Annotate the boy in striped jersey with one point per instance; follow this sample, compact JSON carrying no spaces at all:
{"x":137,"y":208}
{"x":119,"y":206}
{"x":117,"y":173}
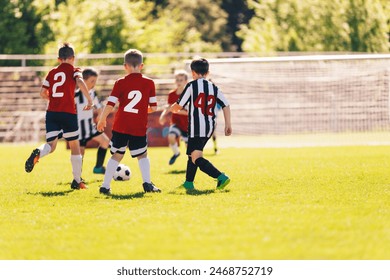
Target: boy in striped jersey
{"x":136,"y":95}
{"x":202,"y":96}
{"x":87,"y":127}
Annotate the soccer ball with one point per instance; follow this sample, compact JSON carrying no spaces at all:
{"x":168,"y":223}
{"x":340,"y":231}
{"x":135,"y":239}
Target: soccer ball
{"x":122,"y":173}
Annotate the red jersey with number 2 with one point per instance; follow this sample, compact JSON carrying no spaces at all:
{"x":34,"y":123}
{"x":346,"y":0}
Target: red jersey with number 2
{"x":61,"y":84}
{"x":135,"y":93}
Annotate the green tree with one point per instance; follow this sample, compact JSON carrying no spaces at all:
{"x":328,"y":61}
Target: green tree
{"x":23,"y":27}
{"x":315,"y":25}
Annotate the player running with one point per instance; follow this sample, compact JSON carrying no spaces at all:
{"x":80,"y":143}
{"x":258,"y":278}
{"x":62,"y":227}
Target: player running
{"x":202,"y":97}
{"x":136,"y":95}
{"x":61,"y":118}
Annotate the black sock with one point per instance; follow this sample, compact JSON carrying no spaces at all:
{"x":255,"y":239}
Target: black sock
{"x":191,"y":170}
{"x":207,"y":167}
{"x":101,"y":155}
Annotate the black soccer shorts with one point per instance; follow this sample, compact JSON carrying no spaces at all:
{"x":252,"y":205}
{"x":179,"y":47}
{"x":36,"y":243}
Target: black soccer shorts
{"x":136,"y":144}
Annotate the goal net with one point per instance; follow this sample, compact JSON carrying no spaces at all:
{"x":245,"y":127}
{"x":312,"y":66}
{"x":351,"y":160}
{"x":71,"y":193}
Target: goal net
{"x":306,"y":94}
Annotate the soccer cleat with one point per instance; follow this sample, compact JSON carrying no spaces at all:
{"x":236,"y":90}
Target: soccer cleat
{"x":99,"y":170}
{"x":188,"y":185}
{"x":32,"y":160}
{"x":173,"y":159}
{"x":150,"y":187}
{"x":78,"y":186}
{"x":223,"y":181}
{"x":105,"y":191}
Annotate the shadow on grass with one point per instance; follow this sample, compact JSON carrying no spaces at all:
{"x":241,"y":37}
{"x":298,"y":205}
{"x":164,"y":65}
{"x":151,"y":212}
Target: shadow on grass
{"x":195,"y":192}
{"x":176,"y":172}
{"x":86,"y":181}
{"x":51,"y":194}
{"x":126,"y":196}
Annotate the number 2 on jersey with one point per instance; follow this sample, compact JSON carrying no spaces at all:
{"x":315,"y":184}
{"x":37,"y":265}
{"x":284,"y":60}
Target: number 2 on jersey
{"x":207,"y":109}
{"x":61,"y":77}
{"x":136,"y":96}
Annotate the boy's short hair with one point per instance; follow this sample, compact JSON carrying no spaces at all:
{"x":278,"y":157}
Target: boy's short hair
{"x":65,"y":51}
{"x":181,"y":73}
{"x":133,"y":57}
{"x":89,"y":72}
{"x":200,"y":66}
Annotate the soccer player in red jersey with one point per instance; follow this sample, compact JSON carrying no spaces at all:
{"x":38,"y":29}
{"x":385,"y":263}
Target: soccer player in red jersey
{"x":136,"y":96}
{"x":61,"y":118}
{"x":179,"y":121}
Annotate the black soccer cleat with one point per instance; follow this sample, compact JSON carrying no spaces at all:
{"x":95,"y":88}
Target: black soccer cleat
{"x":78,"y":186}
{"x":104,"y":191}
{"x":173,"y":159}
{"x":32,"y":160}
{"x":150,"y":187}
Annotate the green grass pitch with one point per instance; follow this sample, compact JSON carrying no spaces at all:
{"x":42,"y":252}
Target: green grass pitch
{"x":282,"y":203}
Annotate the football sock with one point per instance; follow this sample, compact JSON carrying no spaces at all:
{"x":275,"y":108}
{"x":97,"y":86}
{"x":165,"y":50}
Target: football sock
{"x":112,"y":164}
{"x":191,"y":170}
{"x":77,"y":163}
{"x":44,"y":149}
{"x":144,"y":166}
{"x":215,"y":143}
{"x":207,"y":167}
{"x":175,"y":148}
{"x":101,"y":155}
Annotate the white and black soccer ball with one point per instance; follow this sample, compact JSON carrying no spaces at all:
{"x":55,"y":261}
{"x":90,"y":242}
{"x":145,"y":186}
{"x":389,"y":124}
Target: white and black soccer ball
{"x":122,"y":173}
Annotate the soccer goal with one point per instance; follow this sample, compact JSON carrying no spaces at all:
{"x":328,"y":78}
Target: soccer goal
{"x":306,"y":94}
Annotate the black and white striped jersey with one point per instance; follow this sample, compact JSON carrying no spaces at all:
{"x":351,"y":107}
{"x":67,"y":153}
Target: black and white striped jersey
{"x":202,"y":97}
{"x":87,"y":128}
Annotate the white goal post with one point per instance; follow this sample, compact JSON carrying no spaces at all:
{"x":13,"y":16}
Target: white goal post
{"x":306,"y":94}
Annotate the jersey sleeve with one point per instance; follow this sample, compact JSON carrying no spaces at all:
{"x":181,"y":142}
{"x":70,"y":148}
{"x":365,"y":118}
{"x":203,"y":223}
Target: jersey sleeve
{"x":185,"y":96}
{"x":77,"y":73}
{"x":114,"y":96}
{"x":46,"y":82}
{"x":221,"y":100}
{"x":152,"y":95}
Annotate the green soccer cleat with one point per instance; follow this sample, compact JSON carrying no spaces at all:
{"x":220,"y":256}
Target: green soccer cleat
{"x":188,"y":185}
{"x":223,"y":181}
{"x":99,"y":170}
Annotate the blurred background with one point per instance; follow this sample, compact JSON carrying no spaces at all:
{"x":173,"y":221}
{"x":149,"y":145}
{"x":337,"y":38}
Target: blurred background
{"x":295,"y":69}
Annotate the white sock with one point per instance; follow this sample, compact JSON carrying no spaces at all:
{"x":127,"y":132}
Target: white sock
{"x":144,"y":166}
{"x":175,"y":148}
{"x":112,"y":164}
{"x":77,"y":163}
{"x":45,"y":149}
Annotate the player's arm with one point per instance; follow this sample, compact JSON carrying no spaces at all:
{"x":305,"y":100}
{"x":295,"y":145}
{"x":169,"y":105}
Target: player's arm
{"x":152,"y":109}
{"x":103,"y":117}
{"x":228,"y":123}
{"x":183,"y":112}
{"x":44,"y":93}
{"x":175,"y":108}
{"x":83,"y":87}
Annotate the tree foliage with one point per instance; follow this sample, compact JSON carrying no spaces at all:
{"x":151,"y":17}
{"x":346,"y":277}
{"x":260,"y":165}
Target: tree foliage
{"x":23,"y":27}
{"x":317,"y":25}
{"x":265,"y":26}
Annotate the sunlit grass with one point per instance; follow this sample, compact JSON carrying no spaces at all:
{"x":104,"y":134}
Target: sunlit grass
{"x":284,"y":203}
